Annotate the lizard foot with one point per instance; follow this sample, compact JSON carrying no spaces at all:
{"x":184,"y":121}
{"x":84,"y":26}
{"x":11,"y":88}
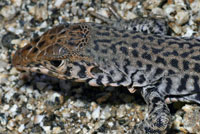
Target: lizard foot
{"x":158,"y":119}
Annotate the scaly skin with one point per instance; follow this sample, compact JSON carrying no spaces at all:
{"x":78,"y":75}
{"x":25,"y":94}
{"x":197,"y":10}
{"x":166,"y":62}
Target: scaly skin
{"x":159,"y":66}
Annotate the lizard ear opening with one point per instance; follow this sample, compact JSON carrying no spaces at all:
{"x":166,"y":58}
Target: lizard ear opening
{"x":56,"y":63}
{"x":96,"y":70}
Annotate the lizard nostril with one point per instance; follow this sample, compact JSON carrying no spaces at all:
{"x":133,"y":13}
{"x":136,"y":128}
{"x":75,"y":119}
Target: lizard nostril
{"x":56,"y":63}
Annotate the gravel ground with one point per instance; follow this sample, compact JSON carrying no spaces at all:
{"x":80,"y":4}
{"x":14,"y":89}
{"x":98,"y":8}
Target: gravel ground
{"x":34,"y":103}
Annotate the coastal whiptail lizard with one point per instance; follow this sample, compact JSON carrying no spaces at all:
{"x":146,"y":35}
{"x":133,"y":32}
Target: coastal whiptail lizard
{"x":161,"y":67}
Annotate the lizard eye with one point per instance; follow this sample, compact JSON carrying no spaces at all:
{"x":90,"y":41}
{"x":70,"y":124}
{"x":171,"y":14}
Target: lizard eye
{"x":56,"y":63}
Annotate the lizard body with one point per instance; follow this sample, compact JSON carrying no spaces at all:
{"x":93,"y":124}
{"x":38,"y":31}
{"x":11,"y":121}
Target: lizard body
{"x":161,"y":67}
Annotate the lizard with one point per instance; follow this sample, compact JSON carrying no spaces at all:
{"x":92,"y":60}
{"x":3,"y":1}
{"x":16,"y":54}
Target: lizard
{"x":161,"y":67}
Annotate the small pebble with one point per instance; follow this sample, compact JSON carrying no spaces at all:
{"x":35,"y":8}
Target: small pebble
{"x":3,"y":78}
{"x":38,"y":119}
{"x":11,"y":124}
{"x":105,"y":113}
{"x":88,"y":115}
{"x":8,"y":12}
{"x":79,"y":104}
{"x":56,"y":130}
{"x":194,"y":5}
{"x":47,"y":129}
{"x":182,"y":17}
{"x":121,"y":111}
{"x":151,"y":4}
{"x":7,"y":38}
{"x":96,"y":113}
{"x":3,"y":119}
{"x":5,"y":107}
{"x":55,"y":97}
{"x":21,"y":128}
{"x":58,"y":3}
{"x":9,"y":95}
{"x":41,"y":85}
{"x":111,"y":124}
{"x":17,"y":3}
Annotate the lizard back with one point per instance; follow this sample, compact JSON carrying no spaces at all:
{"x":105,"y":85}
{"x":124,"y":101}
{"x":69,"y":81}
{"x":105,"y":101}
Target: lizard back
{"x":105,"y":55}
{"x":144,"y":59}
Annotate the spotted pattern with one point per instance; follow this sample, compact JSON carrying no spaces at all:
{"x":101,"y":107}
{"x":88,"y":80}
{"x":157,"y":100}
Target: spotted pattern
{"x":159,"y":65}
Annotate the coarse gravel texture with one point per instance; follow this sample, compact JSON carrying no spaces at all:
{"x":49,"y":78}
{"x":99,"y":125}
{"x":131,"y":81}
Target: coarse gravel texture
{"x":35,"y":103}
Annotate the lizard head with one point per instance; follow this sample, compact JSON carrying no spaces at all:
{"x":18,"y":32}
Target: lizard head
{"x":57,"y":53}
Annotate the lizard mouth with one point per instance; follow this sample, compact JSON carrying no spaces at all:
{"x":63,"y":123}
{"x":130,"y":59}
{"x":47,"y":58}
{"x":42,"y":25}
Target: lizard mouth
{"x":42,"y":70}
{"x":60,"y":69}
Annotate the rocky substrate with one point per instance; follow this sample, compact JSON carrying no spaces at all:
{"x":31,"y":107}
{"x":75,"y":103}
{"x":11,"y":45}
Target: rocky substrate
{"x":35,"y":103}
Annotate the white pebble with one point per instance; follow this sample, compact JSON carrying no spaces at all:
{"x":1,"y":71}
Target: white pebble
{"x":17,"y":2}
{"x":88,"y":115}
{"x":103,"y":12}
{"x":58,"y":3}
{"x":11,"y":124}
{"x":21,"y":128}
{"x":13,"y":109}
{"x":77,"y":131}
{"x":19,"y":117}
{"x":3,"y":64}
{"x":110,"y":124}
{"x":44,"y":25}
{"x":23,"y":98}
{"x":121,"y":111}
{"x":182,"y":17}
{"x":29,"y":106}
{"x":5,"y":107}
{"x":29,"y":90}
{"x":187,"y":108}
{"x":56,"y":130}
{"x":38,"y":119}
{"x":157,"y":11}
{"x":87,"y":19}
{"x":79,"y":103}
{"x":53,"y":95}
{"x":90,"y":9}
{"x":195,"y":5}
{"x":47,"y":129}
{"x":14,"y":27}
{"x":130,"y":15}
{"x":3,"y":78}
{"x":9,"y":95}
{"x":74,"y":10}
{"x":12,"y":78}
{"x":150,"y":4}
{"x":169,"y":10}
{"x":96,"y":113}
{"x":84,"y":130}
{"x":86,"y":2}
{"x":189,"y":32}
{"x":8,"y":12}
{"x":176,"y":29}
{"x":9,"y":89}
{"x":106,"y":113}
{"x":99,"y":124}
{"x":65,"y":113}
{"x":180,"y":2}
